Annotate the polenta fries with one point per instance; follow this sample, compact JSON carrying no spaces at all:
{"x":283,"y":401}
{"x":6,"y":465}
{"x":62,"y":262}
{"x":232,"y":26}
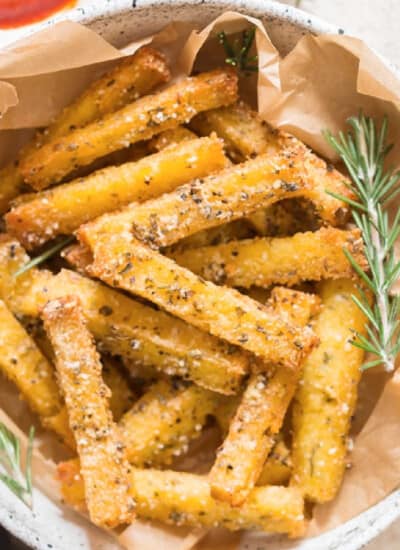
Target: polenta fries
{"x":139,"y":120}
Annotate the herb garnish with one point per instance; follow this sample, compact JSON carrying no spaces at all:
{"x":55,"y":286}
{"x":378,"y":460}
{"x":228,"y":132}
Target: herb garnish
{"x":10,"y":459}
{"x":238,"y":53}
{"x":364,"y":150}
{"x":44,"y":256}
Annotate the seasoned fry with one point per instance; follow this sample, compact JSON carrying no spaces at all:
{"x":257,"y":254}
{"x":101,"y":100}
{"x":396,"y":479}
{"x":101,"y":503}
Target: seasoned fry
{"x":325,"y":401}
{"x":246,"y":135}
{"x":133,"y":77}
{"x":286,"y":260}
{"x":212,"y":201}
{"x":161,"y":424}
{"x":98,"y":441}
{"x":125,"y":327}
{"x":224,"y":312}
{"x":260,"y":414}
{"x":137,"y":121}
{"x":136,"y":75}
{"x":180,"y":498}
{"x":62,"y":209}
{"x":22,"y":362}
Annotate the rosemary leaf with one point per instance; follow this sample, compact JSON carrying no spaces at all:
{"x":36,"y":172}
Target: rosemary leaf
{"x":363,"y":150}
{"x":238,"y":52}
{"x":10,"y":460}
{"x":44,"y":256}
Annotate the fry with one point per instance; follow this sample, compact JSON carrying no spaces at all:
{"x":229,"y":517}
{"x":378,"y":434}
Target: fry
{"x":325,"y":401}
{"x":216,"y":199}
{"x":260,"y":414}
{"x":98,"y":442}
{"x":140,"y":120}
{"x":22,"y":362}
{"x":62,"y":209}
{"x":180,"y":498}
{"x":160,"y":425}
{"x":223,"y":312}
{"x":136,"y":75}
{"x":286,"y":260}
{"x":125,"y":327}
{"x":246,"y":135}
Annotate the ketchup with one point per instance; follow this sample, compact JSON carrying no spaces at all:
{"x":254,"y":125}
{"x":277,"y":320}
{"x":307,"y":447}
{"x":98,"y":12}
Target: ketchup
{"x":16,"y":13}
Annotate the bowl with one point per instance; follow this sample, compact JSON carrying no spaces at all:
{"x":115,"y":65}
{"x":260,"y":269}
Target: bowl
{"x":119,"y":22}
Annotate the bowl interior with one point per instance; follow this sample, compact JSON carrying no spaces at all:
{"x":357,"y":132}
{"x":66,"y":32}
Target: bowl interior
{"x":119,"y":22}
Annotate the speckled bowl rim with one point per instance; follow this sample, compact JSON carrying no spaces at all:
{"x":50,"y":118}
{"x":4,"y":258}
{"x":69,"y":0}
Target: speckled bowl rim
{"x":362,"y":529}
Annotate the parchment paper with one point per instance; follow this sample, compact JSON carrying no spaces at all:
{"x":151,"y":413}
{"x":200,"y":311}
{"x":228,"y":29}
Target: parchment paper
{"x":321,"y":82}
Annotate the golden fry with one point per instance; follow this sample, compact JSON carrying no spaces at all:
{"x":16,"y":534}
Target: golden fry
{"x":278,"y":467}
{"x":285,"y":260}
{"x":180,"y":498}
{"x":125,"y":327}
{"x":98,"y":441}
{"x":224,"y":312}
{"x":246,"y":135}
{"x":137,"y":121}
{"x":325,"y":401}
{"x":62,"y":209}
{"x":231,"y":194}
{"x":121,"y":395}
{"x":134,"y":76}
{"x":260,"y":414}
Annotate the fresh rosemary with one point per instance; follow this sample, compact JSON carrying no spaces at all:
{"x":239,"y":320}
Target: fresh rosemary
{"x":364,"y":150}
{"x":45,"y":255}
{"x":20,"y":483}
{"x":238,"y":52}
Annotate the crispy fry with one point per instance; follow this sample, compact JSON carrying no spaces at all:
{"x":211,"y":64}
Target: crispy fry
{"x":137,"y":121}
{"x":98,"y":441}
{"x":285,"y":260}
{"x":179,"y":498}
{"x":136,"y":75}
{"x":62,"y":209}
{"x":224,"y":312}
{"x":78,"y":256}
{"x":260,"y":414}
{"x":325,"y":400}
{"x":246,"y":135}
{"x":160,"y":425}
{"x":22,"y":362}
{"x":212,"y":201}
{"x":170,"y":137}
{"x":133,"y":77}
{"x":126,"y":327}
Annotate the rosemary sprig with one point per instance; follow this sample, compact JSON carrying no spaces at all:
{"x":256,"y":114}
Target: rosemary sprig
{"x":10,"y":459}
{"x":238,"y":53}
{"x":364,"y":150}
{"x":44,"y":256}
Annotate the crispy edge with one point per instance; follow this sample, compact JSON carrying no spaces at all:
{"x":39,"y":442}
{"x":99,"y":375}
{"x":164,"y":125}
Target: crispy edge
{"x":99,"y":446}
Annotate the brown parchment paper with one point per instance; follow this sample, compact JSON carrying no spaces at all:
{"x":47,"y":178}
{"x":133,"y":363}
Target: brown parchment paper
{"x":321,"y":82}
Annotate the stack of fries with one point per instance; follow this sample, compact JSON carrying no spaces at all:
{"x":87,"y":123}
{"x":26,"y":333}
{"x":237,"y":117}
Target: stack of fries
{"x":208,"y":289}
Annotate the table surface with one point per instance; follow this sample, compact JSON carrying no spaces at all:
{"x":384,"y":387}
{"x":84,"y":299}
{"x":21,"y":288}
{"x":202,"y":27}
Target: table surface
{"x":376,"y":21}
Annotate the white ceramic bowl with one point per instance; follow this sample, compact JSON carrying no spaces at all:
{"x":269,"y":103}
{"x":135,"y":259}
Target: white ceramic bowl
{"x":120,"y":21}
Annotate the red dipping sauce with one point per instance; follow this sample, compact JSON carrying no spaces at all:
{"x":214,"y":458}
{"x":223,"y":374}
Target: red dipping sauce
{"x":16,"y":13}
